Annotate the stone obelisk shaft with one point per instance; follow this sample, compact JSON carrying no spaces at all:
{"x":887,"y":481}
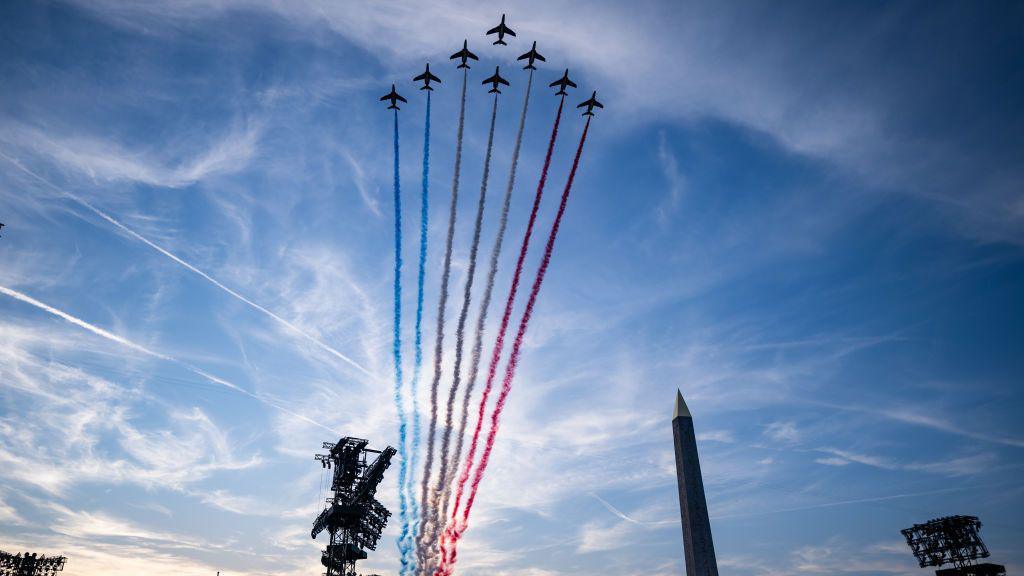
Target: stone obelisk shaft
{"x":697,"y":544}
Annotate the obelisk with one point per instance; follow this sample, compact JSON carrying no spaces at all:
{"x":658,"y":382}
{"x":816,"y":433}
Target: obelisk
{"x":697,"y":544}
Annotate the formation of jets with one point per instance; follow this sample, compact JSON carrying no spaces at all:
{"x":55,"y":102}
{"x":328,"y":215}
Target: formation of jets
{"x":394,"y":97}
{"x":501,"y":30}
{"x":496,"y":81}
{"x":562,"y":83}
{"x":426,"y":77}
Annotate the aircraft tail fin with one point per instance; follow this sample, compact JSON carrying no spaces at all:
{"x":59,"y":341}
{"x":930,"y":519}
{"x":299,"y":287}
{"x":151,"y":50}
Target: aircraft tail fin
{"x":500,"y":42}
{"x":494,"y":90}
{"x":463,"y":65}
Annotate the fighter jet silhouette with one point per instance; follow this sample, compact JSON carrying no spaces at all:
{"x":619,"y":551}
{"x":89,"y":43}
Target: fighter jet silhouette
{"x":532,"y":55}
{"x":562,"y":83}
{"x":426,"y":77}
{"x":590,"y":104}
{"x":394,"y":97}
{"x":501,"y":30}
{"x":494,"y":81}
{"x":464,"y":54}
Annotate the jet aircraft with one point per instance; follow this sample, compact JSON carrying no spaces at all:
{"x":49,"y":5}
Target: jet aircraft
{"x":531,"y":55}
{"x":590,"y":104}
{"x":426,"y":77}
{"x":394,"y":97}
{"x":562,"y":83}
{"x":464,"y":54}
{"x":501,"y":30}
{"x":494,"y":81}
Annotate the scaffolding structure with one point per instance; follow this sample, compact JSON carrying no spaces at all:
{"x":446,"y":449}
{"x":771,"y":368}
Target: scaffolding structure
{"x":951,"y":540}
{"x":352,"y":516}
{"x":30,"y":564}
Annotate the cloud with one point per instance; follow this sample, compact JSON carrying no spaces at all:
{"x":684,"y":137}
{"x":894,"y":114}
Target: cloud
{"x":108,"y":161}
{"x":775,"y":77}
{"x":783,"y":432}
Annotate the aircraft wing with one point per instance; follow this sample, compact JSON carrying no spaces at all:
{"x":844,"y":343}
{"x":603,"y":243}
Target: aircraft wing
{"x":509,"y":31}
{"x":400,"y":98}
{"x":494,"y":30}
{"x":385,"y":97}
{"x":490,"y":80}
{"x":420,"y":77}
{"x":524,"y":56}
{"x":434,"y":78}
{"x":456,"y":55}
{"x":503,"y":81}
{"x":598,"y":104}
{"x":539,"y":57}
{"x":570,"y":83}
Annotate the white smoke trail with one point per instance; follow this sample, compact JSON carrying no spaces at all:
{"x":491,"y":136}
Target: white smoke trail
{"x":142,"y":349}
{"x":485,"y":302}
{"x":440,"y":505}
{"x":427,"y":514}
{"x":193,"y":269}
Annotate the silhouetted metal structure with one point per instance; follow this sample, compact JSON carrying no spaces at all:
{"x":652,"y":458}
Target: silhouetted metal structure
{"x":353,"y":517}
{"x":951,"y":540}
{"x":30,"y":564}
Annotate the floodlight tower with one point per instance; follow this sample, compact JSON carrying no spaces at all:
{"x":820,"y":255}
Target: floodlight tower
{"x":951,"y":540}
{"x":353,"y":517}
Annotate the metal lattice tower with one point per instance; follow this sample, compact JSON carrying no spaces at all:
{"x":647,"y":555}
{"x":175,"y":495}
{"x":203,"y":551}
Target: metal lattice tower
{"x":950,"y":540}
{"x":30,"y":564}
{"x":353,"y":517}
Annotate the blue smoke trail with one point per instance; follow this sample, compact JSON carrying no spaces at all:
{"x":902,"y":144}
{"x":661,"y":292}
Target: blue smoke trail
{"x":397,"y":345}
{"x":410,"y":528}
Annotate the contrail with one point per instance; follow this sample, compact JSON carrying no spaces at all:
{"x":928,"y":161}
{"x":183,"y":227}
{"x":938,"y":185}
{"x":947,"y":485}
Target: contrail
{"x":142,"y":349}
{"x":460,"y":331}
{"x":456,"y":529}
{"x":426,"y":513}
{"x":193,"y":269}
{"x":396,"y":349}
{"x":409,"y":531}
{"x":485,"y":302}
{"x":492,"y":368}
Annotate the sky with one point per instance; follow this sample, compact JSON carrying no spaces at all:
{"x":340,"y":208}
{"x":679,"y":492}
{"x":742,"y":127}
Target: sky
{"x":806,"y":216}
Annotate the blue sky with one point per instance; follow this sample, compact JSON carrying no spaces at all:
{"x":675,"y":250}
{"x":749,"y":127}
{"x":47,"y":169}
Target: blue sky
{"x":808,"y":217}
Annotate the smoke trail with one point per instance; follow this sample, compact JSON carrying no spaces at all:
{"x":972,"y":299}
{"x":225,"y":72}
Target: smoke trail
{"x":193,"y":269}
{"x":460,"y":331}
{"x":485,"y":302}
{"x":396,"y":349}
{"x":439,"y":343}
{"x":142,"y":349}
{"x":492,"y":367}
{"x":456,"y":530}
{"x":409,"y":529}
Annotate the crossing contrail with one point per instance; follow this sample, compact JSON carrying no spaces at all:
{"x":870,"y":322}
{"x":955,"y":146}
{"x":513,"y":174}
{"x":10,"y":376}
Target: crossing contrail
{"x":426,"y":512}
{"x":492,"y":368}
{"x":457,"y":528}
{"x":158,"y":355}
{"x":409,"y":531}
{"x":193,"y":269}
{"x":485,"y":302}
{"x":396,"y":348}
{"x":460,"y":332}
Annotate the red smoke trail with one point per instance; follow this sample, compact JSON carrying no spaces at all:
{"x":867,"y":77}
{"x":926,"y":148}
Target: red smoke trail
{"x":500,"y":342}
{"x":455,"y":529}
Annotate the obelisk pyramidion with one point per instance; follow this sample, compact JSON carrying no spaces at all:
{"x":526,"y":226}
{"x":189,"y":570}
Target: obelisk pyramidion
{"x":697,"y":544}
